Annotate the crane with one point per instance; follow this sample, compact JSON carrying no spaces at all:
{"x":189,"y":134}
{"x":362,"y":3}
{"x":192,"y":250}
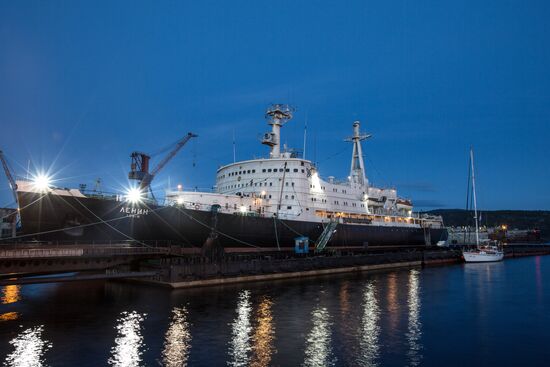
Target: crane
{"x":9,"y":176}
{"x":139,"y":169}
{"x":13,"y":186}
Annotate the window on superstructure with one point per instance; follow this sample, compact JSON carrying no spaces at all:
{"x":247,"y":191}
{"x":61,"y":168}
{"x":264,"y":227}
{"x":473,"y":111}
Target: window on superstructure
{"x":253,"y":171}
{"x":248,"y":171}
{"x":280,"y":170}
{"x":269,"y":170}
{"x":302,"y":163}
{"x":303,"y":170}
{"x":286,"y":183}
{"x":271,"y":184}
{"x":292,"y":197}
{"x":286,"y":197}
{"x":295,"y":169}
{"x":292,"y":184}
{"x":287,"y":170}
{"x":289,"y":207}
{"x":263,"y":170}
{"x":270,"y":196}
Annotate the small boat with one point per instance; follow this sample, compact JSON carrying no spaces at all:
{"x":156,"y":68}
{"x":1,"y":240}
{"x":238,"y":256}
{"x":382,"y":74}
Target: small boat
{"x":487,"y":253}
{"x":481,"y":253}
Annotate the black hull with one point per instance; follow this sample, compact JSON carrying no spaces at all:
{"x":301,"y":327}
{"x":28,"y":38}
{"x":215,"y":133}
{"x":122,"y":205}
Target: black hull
{"x":66,"y":218}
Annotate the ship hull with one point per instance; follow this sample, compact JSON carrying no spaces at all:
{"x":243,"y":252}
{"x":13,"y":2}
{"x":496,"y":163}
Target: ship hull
{"x":53,"y":217}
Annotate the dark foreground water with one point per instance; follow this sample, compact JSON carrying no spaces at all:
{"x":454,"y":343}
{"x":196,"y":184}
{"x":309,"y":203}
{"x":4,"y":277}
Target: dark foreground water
{"x":463,"y":315}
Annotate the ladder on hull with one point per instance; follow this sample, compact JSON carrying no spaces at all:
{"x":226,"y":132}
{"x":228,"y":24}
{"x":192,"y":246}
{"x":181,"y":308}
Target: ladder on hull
{"x":325,"y":236}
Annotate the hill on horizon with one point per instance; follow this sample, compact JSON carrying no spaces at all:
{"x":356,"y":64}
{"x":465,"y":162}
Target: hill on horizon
{"x":514,"y":219}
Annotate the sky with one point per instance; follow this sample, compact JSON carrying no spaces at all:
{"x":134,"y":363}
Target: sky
{"x":83,"y":84}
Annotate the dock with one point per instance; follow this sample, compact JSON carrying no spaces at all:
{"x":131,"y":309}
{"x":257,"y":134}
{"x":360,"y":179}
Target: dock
{"x":177,"y":267}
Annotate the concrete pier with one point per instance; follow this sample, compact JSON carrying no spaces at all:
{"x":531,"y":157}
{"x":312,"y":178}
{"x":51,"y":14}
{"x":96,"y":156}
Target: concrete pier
{"x":194,"y":271}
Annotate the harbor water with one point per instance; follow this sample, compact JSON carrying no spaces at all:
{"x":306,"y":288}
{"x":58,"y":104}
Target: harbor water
{"x":474,"y":314}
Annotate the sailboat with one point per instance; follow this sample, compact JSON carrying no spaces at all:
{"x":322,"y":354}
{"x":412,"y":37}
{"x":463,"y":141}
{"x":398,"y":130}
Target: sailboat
{"x":489,"y":252}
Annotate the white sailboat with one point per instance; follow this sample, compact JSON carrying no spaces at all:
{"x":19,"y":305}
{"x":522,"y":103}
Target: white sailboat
{"x":486,"y":252}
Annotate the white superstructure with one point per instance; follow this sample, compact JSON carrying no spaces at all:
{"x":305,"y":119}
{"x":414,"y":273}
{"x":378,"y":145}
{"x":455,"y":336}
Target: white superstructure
{"x":289,"y":187}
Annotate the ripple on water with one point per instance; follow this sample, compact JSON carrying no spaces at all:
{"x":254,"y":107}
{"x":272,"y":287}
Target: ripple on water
{"x":318,"y":342}
{"x":30,"y":348}
{"x":129,"y":345}
{"x":241,"y":332}
{"x":177,"y":342}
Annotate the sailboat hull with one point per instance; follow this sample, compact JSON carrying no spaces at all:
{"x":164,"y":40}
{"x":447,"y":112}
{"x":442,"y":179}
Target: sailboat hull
{"x":481,"y":256}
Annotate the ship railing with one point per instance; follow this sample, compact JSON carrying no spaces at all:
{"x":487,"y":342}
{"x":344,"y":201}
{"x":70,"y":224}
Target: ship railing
{"x":394,"y":213}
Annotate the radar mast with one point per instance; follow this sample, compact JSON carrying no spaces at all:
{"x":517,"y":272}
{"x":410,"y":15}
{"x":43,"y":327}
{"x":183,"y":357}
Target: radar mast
{"x":357,"y":170}
{"x":277,"y":115}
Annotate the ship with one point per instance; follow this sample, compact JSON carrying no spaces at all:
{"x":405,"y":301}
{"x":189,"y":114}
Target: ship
{"x":258,"y":204}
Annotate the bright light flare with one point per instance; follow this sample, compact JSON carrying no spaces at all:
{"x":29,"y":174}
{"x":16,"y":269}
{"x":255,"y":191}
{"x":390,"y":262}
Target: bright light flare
{"x":316,"y":183}
{"x":42,"y":182}
{"x":179,"y":201}
{"x":134,"y":195}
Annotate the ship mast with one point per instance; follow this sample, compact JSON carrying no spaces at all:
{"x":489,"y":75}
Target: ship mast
{"x":474,"y":193}
{"x":357,"y":169}
{"x":277,"y":115}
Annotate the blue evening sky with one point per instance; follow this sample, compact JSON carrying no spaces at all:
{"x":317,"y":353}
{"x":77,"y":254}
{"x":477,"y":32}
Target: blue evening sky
{"x":82,"y":84}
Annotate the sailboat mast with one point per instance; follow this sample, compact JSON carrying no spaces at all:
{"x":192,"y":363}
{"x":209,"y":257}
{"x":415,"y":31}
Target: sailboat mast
{"x":475,"y":198}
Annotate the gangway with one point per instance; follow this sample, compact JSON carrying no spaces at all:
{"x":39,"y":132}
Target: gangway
{"x":323,"y":239}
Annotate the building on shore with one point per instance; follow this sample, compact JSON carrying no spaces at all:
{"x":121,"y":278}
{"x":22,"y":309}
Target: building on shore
{"x":8,"y":225}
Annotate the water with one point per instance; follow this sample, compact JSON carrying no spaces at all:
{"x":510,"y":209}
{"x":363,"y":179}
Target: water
{"x":473,"y":314}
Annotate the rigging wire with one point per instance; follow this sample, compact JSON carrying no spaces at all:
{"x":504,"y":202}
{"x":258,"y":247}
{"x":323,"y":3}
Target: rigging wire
{"x":40,"y":198}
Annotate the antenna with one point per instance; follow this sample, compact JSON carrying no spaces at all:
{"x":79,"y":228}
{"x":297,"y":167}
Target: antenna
{"x":305,"y":138}
{"x":315,"y":148}
{"x":234,"y":148}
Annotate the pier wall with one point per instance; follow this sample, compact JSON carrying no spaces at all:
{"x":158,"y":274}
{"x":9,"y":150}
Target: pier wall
{"x":188,"y":272}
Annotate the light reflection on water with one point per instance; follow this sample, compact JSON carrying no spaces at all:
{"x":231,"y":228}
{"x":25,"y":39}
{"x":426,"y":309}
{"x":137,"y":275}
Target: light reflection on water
{"x":30,"y":347}
{"x":379,"y":319}
{"x":129,"y":344}
{"x":177,"y":343}
{"x":318,"y":342}
{"x":241,"y":329}
{"x":370,"y":330}
{"x":9,"y":316}
{"x":10,"y":294}
{"x":414,"y":332}
{"x":263,"y":335}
